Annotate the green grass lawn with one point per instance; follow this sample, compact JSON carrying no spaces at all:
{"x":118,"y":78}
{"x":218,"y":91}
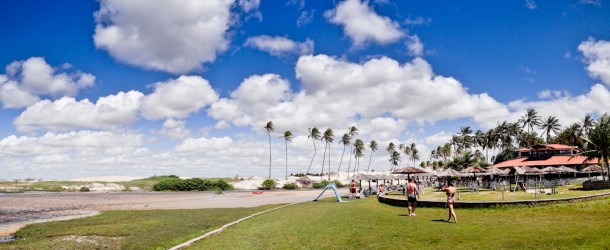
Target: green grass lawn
{"x":148,"y":229}
{"x":368,"y":224}
{"x":327,"y":224}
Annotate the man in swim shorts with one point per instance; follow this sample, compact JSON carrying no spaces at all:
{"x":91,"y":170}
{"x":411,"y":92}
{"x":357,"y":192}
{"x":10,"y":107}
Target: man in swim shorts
{"x":412,"y":196}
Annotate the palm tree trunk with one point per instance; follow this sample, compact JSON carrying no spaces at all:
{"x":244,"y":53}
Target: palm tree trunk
{"x":339,"y":169}
{"x":349,"y":164}
{"x":269,"y":155}
{"x":329,"y":162}
{"x":314,"y":155}
{"x":285,"y":141}
{"x":370,"y":159}
{"x":323,"y":158}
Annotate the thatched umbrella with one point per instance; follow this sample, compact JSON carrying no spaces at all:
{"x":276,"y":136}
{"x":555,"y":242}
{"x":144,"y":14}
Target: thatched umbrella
{"x":474,"y":170}
{"x":410,"y":170}
{"x":564,"y":169}
{"x":448,"y":172}
{"x":591,"y":169}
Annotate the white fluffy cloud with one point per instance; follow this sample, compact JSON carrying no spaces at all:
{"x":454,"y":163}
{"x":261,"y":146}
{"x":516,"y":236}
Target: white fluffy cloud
{"x":178,"y":98}
{"x":26,"y":80}
{"x":175,"y":129}
{"x":597,"y":55}
{"x":278,"y":45}
{"x":177,"y":38}
{"x":414,"y":46}
{"x":67,"y":113}
{"x":362,"y":24}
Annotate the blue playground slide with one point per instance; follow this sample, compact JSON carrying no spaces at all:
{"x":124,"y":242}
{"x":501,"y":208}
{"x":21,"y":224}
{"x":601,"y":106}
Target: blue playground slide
{"x":334,"y":187}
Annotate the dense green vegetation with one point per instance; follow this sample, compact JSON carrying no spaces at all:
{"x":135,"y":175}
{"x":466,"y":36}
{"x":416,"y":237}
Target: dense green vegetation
{"x":193,"y":184}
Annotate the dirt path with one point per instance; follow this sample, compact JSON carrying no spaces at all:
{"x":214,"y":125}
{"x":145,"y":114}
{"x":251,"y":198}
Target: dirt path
{"x":18,"y":210}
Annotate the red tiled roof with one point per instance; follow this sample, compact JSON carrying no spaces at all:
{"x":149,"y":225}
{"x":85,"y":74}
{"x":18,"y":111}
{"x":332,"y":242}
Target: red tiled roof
{"x":547,"y":147}
{"x":556,"y":160}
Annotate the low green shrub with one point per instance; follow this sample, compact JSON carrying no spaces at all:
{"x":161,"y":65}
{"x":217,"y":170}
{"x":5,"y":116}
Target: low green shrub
{"x":193,"y":184}
{"x":268,"y":184}
{"x":290,"y":185}
{"x":84,"y":189}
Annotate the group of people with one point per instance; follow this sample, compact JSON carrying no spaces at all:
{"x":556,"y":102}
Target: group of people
{"x":412,"y":192}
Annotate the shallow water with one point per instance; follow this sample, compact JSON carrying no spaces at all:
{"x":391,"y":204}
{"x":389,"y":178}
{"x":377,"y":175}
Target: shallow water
{"x":4,"y":239}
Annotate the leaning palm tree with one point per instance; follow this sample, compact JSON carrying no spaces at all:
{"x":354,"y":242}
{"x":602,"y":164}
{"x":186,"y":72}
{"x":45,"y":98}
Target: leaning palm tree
{"x":287,"y":138}
{"x":597,"y":144}
{"x":314,"y":134}
{"x":269,"y":128}
{"x":391,"y":149}
{"x":358,"y":152}
{"x":328,"y":138}
{"x":373,"y":146}
{"x":352,"y":132}
{"x":551,"y":124}
{"x":530,"y":119}
{"x":346,"y":141}
{"x":414,"y":153}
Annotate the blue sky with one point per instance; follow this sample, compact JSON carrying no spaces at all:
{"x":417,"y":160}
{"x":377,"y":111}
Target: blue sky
{"x":91,"y":88}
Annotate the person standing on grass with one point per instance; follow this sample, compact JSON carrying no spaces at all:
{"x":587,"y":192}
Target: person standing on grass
{"x":450,"y":191}
{"x":412,"y":196}
{"x":352,"y":189}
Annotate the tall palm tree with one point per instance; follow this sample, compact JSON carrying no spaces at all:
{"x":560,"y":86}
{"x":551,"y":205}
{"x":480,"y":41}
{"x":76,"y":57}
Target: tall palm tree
{"x":373,"y":146}
{"x":597,"y":144}
{"x":551,"y":124}
{"x":530,"y":119}
{"x":328,"y":138}
{"x":352,"y":132}
{"x":587,"y":124}
{"x":405,"y":150}
{"x":315,"y":135}
{"x":358,"y":152}
{"x":464,"y":137}
{"x":269,"y":127}
{"x":346,"y":141}
{"x":394,"y":159}
{"x":391,"y":149}
{"x":414,"y":154}
{"x":446,"y":152}
{"x":287,"y":138}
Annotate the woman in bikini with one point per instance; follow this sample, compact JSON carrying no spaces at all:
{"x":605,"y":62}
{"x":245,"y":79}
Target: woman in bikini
{"x":450,"y":191}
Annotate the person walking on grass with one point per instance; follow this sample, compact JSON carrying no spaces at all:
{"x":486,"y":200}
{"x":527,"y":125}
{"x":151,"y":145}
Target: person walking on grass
{"x":352,"y":189}
{"x":412,"y":196}
{"x":450,"y":191}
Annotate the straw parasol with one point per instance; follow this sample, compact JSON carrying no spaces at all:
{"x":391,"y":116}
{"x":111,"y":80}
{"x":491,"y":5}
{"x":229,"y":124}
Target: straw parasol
{"x":591,"y":169}
{"x":474,"y":170}
{"x":549,"y":170}
{"x":410,"y":170}
{"x":448,"y":172}
{"x":564,"y":169}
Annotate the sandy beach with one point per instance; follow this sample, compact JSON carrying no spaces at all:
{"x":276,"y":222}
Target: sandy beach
{"x":18,"y":210}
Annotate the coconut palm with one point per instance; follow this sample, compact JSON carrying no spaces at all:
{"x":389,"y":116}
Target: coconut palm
{"x":391,"y":149}
{"x":346,"y":141}
{"x":373,"y":146}
{"x":587,"y":124}
{"x":287,"y":138}
{"x":352,"y":132}
{"x":551,"y":124}
{"x":358,"y":152}
{"x":597,"y":144}
{"x":315,"y":135}
{"x":269,"y":128}
{"x":446,"y":152}
{"x":328,"y":138}
{"x":394,"y":159}
{"x":414,"y":154}
{"x":530,"y":119}
{"x":465,"y":138}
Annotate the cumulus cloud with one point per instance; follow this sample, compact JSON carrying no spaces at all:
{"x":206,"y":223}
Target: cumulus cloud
{"x":597,"y":56}
{"x":175,"y":129}
{"x":178,"y":38}
{"x":530,"y":4}
{"x":67,"y":113}
{"x":178,"y":98}
{"x":414,"y":46}
{"x":362,"y":24}
{"x":278,"y":46}
{"x":26,"y":80}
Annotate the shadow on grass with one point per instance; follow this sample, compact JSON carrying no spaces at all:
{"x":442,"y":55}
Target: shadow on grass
{"x":439,"y":220}
{"x":404,"y":215}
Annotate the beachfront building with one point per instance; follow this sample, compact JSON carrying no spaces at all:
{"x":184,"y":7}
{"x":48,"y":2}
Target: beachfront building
{"x":548,"y":155}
